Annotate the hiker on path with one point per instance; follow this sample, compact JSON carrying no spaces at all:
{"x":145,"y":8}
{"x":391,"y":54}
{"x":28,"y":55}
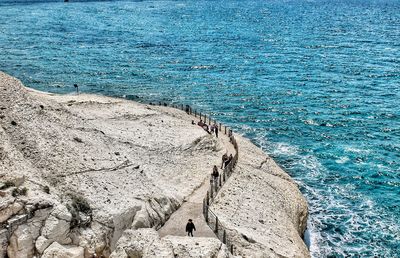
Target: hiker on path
{"x":228,"y":160}
{"x":190,"y":227}
{"x":204,"y":126}
{"x":215,"y":172}
{"x":216,"y":130}
{"x":215,"y":175}
{"x":224,"y":159}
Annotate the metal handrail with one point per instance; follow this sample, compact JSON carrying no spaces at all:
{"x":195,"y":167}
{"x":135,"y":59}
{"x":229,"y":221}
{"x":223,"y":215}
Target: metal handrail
{"x":211,"y":194}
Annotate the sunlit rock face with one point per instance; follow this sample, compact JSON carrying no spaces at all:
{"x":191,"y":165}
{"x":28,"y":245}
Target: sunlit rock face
{"x":82,"y":174}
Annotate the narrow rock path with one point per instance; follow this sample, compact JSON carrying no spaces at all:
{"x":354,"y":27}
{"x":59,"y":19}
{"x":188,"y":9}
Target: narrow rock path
{"x":193,"y":207}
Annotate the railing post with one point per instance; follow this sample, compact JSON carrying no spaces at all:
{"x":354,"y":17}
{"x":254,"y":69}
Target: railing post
{"x":232,"y":249}
{"x":206,"y":214}
{"x":216,"y":225}
{"x":205,"y":118}
{"x":220,"y":127}
{"x":223,"y":176}
{"x":195,"y":113}
{"x":225,"y":129}
{"x":224,"y":237}
{"x":208,"y":198}
{"x":211,"y":191}
{"x":220,"y":183}
{"x":200,"y":115}
{"x":204,"y":207}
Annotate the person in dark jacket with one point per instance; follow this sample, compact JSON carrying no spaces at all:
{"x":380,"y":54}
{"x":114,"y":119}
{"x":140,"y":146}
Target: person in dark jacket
{"x":224,"y":159}
{"x":190,"y":227}
{"x":215,"y":172}
{"x":228,"y":160}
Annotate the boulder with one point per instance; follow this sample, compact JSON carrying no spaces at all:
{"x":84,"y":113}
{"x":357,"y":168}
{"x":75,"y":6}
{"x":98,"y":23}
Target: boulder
{"x":197,"y":247}
{"x":8,"y":209}
{"x":146,"y":242}
{"x":60,"y":251}
{"x":141,"y":219}
{"x":122,"y":221}
{"x":21,"y":243}
{"x":3,"y":242}
{"x":57,"y":225}
{"x":61,"y":212}
{"x":95,"y":239}
{"x":41,"y":244}
{"x":18,"y":181}
{"x":25,"y":231}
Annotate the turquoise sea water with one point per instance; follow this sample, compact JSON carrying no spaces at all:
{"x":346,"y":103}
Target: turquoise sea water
{"x":316,"y":84}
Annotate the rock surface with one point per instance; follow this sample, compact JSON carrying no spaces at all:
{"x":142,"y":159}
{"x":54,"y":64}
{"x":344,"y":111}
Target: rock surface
{"x":263,"y":207}
{"x":89,"y":169}
{"x":147,"y":243}
{"x":59,"y":251}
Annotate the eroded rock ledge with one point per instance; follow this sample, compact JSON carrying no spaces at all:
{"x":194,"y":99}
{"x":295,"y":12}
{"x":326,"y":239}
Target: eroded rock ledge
{"x":90,"y":175}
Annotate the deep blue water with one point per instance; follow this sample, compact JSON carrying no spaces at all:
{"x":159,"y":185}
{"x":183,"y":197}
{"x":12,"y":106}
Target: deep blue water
{"x":316,"y":84}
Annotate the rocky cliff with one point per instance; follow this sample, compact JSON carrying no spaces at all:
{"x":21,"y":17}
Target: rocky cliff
{"x":91,"y":176}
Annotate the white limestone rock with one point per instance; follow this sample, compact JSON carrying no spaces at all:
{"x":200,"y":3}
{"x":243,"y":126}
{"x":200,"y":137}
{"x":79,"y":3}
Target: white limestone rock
{"x":146,"y":243}
{"x":61,"y":251}
{"x":188,"y":247}
{"x":57,"y":225}
{"x":162,"y":158}
{"x":22,"y":240}
{"x":141,"y":219}
{"x":21,"y":243}
{"x":134,"y":243}
{"x":95,"y":239}
{"x":61,"y":212}
{"x":42,"y":243}
{"x":9,"y":208}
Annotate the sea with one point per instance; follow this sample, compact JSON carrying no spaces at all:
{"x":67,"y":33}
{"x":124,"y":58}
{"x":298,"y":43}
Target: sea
{"x":314,"y":83}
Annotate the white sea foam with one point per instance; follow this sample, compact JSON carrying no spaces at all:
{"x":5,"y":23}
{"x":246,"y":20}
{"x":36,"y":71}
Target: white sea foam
{"x":355,"y":150}
{"x":342,"y":160}
{"x":284,"y":149}
{"x":310,"y":122}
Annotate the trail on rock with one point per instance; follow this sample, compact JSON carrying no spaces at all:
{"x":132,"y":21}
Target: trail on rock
{"x":193,"y":208}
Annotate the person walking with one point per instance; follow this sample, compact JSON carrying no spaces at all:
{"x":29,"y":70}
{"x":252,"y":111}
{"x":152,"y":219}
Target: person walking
{"x":216,"y":130}
{"x":190,"y":227}
{"x":215,"y":172}
{"x":215,"y":175}
{"x":224,"y":159}
{"x":228,"y":160}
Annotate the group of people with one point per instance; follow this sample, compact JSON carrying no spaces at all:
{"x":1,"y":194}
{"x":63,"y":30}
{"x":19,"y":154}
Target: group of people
{"x":215,"y":174}
{"x":226,"y":160}
{"x":209,"y":129}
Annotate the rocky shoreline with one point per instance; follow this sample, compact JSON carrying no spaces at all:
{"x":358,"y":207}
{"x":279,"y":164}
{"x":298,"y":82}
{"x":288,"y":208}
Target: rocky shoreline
{"x":91,"y":176}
